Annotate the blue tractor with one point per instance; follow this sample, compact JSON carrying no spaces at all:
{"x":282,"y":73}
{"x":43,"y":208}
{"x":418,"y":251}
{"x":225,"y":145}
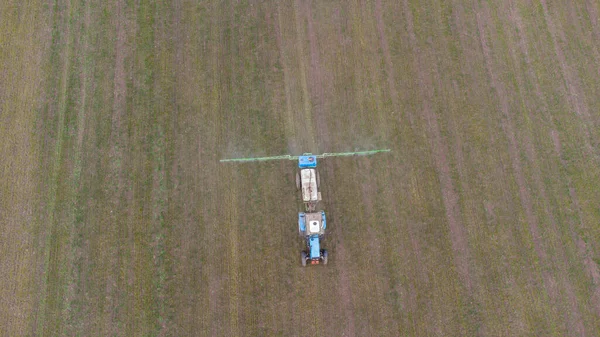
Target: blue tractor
{"x":312,"y":223}
{"x":311,"y":227}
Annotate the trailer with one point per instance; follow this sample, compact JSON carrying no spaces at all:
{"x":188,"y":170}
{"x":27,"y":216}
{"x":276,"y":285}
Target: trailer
{"x":308,"y":181}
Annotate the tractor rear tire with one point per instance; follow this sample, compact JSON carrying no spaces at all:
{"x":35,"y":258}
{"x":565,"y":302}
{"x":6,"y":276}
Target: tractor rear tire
{"x":303,"y":256}
{"x":324,"y":256}
{"x":297,"y":180}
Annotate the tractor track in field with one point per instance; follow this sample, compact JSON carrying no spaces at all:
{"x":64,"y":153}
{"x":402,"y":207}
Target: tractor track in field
{"x":450,"y":198}
{"x":322,"y":129}
{"x":387,"y":56}
{"x":576,"y":321}
{"x":21,"y":99}
{"x":592,"y":34}
{"x":591,"y":267}
{"x":115,"y":174}
{"x":589,"y":264}
{"x":215,"y":279}
{"x":176,"y":208}
{"x":50,"y":236}
{"x":593,"y":13}
{"x":575,"y":96}
{"x":316,"y":73}
{"x":74,"y":312}
{"x":310,"y":141}
{"x":289,"y":121}
{"x":368,"y":187}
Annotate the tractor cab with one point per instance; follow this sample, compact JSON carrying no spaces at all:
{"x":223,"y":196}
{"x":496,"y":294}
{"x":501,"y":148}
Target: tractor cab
{"x":308,"y":180}
{"x":311,"y":227}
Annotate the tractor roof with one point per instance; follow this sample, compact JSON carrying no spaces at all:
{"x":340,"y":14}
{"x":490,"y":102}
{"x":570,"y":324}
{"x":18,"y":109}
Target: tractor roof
{"x":314,"y":223}
{"x":314,"y":226}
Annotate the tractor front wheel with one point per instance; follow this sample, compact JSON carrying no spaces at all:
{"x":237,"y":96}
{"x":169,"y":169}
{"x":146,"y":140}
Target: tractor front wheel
{"x":303,"y":256}
{"x":324,"y":256}
{"x":297,"y":180}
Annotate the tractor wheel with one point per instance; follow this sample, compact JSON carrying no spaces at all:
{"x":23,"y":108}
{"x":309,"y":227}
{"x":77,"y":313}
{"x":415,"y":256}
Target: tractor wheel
{"x":318,"y":180}
{"x":297,"y":180}
{"x":303,"y":256}
{"x":324,"y":256}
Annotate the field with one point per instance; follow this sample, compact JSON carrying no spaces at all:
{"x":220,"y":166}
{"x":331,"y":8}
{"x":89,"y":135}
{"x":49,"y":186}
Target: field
{"x":117,"y":219}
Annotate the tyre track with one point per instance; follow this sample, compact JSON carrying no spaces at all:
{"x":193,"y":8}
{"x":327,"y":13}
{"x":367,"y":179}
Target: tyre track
{"x":26,"y":40}
{"x":47,"y":317}
{"x":309,"y":140}
{"x":74,"y":313}
{"x":115,"y":176}
{"x":369,"y":190}
{"x":575,"y":95}
{"x":523,"y":43}
{"x":316,"y":76}
{"x":387,"y":56}
{"x":161,"y":186}
{"x":593,"y":13}
{"x":585,"y":252}
{"x":450,"y":197}
{"x":345,"y":288}
{"x":233,"y":268}
{"x":591,"y":268}
{"x":314,"y":98}
{"x":289,"y":122}
{"x":550,"y":284}
{"x":588,"y":36}
{"x":216,"y":287}
{"x":177,"y":212}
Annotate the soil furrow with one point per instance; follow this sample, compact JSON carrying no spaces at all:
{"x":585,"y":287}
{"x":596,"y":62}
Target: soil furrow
{"x":575,"y":96}
{"x":23,"y":57}
{"x":50,"y":294}
{"x":75,"y":287}
{"x":206,"y":186}
{"x":309,"y":141}
{"x":508,"y":128}
{"x":450,"y":197}
{"x":289,"y":120}
{"x":550,"y":283}
{"x":592,"y":7}
{"x":115,"y":175}
{"x":387,"y":56}
{"x":316,"y":76}
{"x":523,"y":43}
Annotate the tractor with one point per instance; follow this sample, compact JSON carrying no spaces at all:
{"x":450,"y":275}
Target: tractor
{"x":311,"y":224}
{"x":308,"y":180}
{"x":311,"y":227}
